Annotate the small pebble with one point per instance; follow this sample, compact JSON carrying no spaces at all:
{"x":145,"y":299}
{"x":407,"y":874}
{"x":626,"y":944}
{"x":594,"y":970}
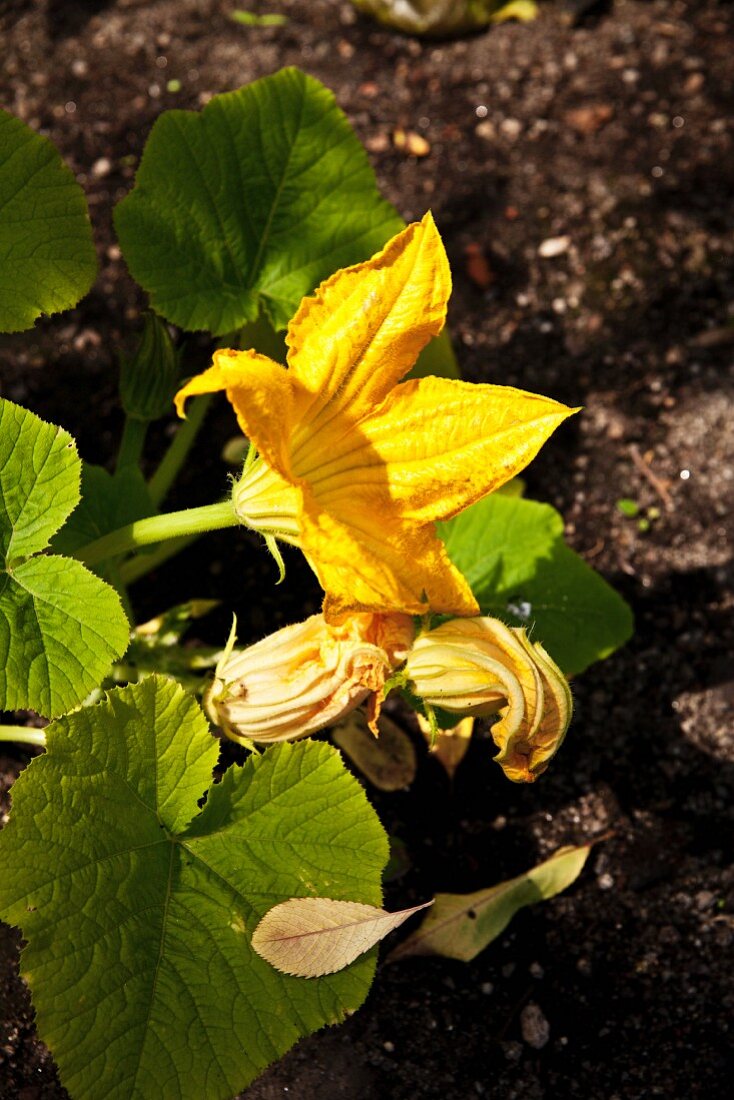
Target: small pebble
{"x":101,"y":168}
{"x":554,"y":246}
{"x":534,"y":1026}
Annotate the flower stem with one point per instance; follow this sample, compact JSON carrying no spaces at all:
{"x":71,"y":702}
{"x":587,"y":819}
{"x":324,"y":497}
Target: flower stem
{"x":181,"y":444}
{"x":131,"y":444}
{"x":23,"y":734}
{"x":145,"y":532}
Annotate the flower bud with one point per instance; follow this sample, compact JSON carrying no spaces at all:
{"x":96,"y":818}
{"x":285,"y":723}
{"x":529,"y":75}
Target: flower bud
{"x":149,"y":378}
{"x":481,"y":667}
{"x":306,"y":676}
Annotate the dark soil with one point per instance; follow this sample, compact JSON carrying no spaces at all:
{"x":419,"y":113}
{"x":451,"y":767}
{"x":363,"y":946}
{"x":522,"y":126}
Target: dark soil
{"x":613,"y":133}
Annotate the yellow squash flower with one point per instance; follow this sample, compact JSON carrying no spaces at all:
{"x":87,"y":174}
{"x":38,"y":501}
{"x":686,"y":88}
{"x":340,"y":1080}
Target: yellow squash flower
{"x":480,"y":667}
{"x":354,"y":466}
{"x":307,"y":676}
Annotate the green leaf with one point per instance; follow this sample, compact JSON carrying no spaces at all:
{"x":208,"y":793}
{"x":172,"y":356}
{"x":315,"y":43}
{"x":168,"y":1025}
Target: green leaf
{"x":60,"y":626}
{"x":248,"y":19}
{"x":513,"y":555}
{"x":108,"y":502}
{"x":627,"y":507}
{"x":437,"y":358}
{"x":139,"y":928}
{"x":459,"y":926}
{"x":253,"y":200}
{"x":39,"y":481}
{"x":47,"y":257}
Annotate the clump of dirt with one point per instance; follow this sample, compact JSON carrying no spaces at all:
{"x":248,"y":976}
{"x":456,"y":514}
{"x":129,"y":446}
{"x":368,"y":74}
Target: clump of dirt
{"x":581,"y":175}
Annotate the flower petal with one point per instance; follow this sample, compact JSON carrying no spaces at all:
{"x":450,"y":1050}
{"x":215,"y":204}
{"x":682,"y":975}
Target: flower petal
{"x":261,"y":392}
{"x":372,"y":561}
{"x":363,"y":329}
{"x":435,"y":446}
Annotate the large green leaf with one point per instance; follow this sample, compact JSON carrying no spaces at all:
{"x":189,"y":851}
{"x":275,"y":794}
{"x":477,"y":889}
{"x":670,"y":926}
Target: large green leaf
{"x":513,"y":555}
{"x":139,"y":927}
{"x":47,"y":257}
{"x":60,"y":626}
{"x":253,"y":200}
{"x":108,"y":501}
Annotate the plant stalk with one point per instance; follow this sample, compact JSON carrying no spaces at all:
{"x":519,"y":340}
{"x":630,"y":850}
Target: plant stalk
{"x":181,"y":444}
{"x":23,"y":734}
{"x":132,"y":442}
{"x":145,"y":532}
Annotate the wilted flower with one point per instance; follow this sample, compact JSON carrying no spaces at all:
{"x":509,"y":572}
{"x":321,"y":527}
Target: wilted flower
{"x":481,"y":667}
{"x":306,"y":676}
{"x":354,"y":466}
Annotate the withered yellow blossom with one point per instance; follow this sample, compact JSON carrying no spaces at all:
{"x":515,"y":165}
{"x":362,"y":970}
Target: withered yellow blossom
{"x":354,"y":466}
{"x":481,"y":667}
{"x":306,"y":676}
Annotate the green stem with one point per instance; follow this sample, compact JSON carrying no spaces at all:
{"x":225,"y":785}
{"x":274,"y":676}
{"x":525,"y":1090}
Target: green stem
{"x":145,"y":532}
{"x":139,"y":566}
{"x":131,"y":444}
{"x":24,"y":734}
{"x":181,"y":444}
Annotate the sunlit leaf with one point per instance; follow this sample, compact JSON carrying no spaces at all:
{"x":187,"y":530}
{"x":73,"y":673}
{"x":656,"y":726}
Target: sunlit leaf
{"x":108,"y":501}
{"x":47,"y":257}
{"x":310,"y":937}
{"x":250,"y":202}
{"x":139,"y":925}
{"x":388,"y":761}
{"x":459,"y":926}
{"x":60,"y":626}
{"x":513,"y":554}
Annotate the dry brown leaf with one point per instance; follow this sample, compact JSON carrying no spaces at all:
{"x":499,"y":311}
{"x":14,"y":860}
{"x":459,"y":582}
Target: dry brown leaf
{"x":450,"y":746}
{"x":477,"y":266}
{"x":310,"y":937}
{"x":388,"y":761}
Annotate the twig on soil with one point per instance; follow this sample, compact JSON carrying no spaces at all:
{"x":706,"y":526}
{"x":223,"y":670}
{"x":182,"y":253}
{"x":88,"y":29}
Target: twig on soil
{"x":659,"y":486}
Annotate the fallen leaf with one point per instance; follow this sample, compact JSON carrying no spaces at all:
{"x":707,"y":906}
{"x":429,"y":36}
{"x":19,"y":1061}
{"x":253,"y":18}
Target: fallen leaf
{"x":587,"y":120}
{"x":461,"y":925}
{"x":310,"y":937}
{"x":388,"y":761}
{"x":450,"y":746}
